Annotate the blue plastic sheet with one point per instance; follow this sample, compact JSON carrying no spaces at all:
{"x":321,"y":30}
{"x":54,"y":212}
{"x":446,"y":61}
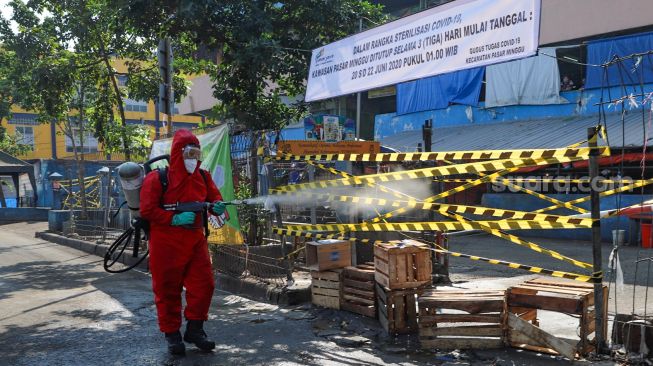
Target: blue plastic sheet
{"x":437,"y":92}
{"x":631,"y":71}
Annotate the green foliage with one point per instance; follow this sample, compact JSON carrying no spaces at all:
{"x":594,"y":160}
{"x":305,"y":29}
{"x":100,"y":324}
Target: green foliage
{"x":249,"y":214}
{"x":9,"y":144}
{"x":65,"y":51}
{"x":263,"y":46}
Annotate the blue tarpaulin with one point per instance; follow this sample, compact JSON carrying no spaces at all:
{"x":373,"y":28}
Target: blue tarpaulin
{"x":631,"y":71}
{"x":437,"y":92}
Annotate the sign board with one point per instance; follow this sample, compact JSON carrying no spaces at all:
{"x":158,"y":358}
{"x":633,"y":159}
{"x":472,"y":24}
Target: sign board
{"x":330,"y":128}
{"x":321,"y":147}
{"x":459,"y":35}
{"x":216,"y":153}
{"x":386,"y":91}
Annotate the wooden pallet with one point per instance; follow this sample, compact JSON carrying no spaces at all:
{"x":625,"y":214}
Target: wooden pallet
{"x":462,"y":319}
{"x":564,"y":296}
{"x":402,"y":265}
{"x":326,"y":288}
{"x":359,"y":290}
{"x":397,"y":309}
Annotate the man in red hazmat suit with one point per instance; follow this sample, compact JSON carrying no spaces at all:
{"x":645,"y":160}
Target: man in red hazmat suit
{"x":179,"y":256}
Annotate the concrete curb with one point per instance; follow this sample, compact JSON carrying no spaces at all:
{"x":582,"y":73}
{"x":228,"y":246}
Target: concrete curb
{"x":249,"y":288}
{"x":89,"y":247}
{"x":256,"y":290}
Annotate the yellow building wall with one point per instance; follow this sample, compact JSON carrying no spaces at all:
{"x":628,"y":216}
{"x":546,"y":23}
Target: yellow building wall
{"x":43,"y":135}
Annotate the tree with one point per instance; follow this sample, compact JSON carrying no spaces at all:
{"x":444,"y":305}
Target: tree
{"x":263,"y":46}
{"x":66,"y":50}
{"x":9,"y":72}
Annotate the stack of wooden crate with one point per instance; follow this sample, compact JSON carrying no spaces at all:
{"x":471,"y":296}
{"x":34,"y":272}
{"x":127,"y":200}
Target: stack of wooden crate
{"x":358,"y":290}
{"x":403,"y":269}
{"x":462,"y":319}
{"x":326,"y":258}
{"x":326,"y":288}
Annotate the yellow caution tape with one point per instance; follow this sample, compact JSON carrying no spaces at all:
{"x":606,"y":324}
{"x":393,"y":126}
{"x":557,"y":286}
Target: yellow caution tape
{"x":448,"y":193}
{"x":445,"y":155}
{"x":442,"y":207}
{"x":534,"y":180}
{"x":516,"y":240}
{"x":347,"y":175}
{"x":465,"y":168}
{"x":628,"y":187}
{"x":441,"y":226}
{"x":595,"y":278}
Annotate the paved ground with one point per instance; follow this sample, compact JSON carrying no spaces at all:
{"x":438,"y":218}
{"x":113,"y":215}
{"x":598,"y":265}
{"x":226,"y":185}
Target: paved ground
{"x":638,"y":278}
{"x":58,"y":307}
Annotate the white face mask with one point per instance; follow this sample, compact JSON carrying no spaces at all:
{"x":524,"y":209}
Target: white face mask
{"x":191,"y":165}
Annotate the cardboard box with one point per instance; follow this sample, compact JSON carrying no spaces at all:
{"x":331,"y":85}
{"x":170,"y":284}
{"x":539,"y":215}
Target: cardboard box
{"x":328,"y":254}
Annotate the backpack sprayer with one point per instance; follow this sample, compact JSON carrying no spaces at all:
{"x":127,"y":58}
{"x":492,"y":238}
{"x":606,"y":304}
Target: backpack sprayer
{"x":131,"y":179}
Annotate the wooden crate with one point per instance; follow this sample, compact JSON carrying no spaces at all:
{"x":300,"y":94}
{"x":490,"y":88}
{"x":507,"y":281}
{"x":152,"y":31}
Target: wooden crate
{"x":359,"y":290}
{"x":564,"y":296}
{"x":462,"y":319}
{"x":326,"y":288}
{"x":402,"y":265}
{"x":328,"y":254}
{"x":397,"y":309}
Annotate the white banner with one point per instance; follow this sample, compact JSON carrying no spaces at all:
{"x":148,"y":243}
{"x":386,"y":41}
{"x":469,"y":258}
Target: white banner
{"x":459,"y":35}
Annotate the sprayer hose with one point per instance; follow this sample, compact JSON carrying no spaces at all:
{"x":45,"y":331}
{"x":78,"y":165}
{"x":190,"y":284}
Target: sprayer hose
{"x":120,"y":245}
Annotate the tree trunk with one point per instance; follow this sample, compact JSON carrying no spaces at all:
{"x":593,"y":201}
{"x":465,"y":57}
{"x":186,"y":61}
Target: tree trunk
{"x":80,"y":157}
{"x":116,"y":89}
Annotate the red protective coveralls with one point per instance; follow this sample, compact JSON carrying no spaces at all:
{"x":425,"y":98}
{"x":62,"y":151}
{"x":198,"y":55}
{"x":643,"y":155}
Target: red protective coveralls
{"x":179,"y":257}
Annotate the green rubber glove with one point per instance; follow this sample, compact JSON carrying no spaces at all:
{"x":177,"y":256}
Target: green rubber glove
{"x":184,"y":218}
{"x":218,"y":207}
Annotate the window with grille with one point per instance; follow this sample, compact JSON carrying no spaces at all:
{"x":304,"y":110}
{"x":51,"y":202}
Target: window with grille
{"x":25,"y":135}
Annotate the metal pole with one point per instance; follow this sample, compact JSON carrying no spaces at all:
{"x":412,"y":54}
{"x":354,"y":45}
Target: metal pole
{"x":592,"y":136}
{"x":253,"y":177}
{"x":107,"y":200}
{"x":426,"y":134}
{"x":279,"y":220}
{"x":311,"y":178}
{"x":358,"y":95}
{"x":157,"y":121}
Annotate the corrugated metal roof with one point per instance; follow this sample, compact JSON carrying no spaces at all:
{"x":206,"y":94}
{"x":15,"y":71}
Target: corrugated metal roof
{"x":531,"y":134}
{"x":10,"y":164}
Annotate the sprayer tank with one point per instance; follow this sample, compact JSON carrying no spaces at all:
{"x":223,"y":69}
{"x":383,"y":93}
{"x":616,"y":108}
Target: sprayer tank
{"x":131,"y":179}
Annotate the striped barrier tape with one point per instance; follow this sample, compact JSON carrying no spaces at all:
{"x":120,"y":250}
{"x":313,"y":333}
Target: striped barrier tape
{"x":331,"y":170}
{"x":594,"y":278}
{"x":465,"y":168}
{"x":534,"y":180}
{"x":528,"y":244}
{"x":448,"y":193}
{"x":628,"y":187}
{"x":475,"y":182}
{"x":444,"y":155}
{"x":539,"y":195}
{"x":440,"y":226}
{"x":442,"y":207}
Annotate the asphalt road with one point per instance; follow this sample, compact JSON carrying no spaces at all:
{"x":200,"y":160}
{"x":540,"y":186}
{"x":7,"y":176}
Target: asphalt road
{"x":58,"y":307}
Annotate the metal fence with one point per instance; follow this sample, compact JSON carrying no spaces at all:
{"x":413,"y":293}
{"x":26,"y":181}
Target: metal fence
{"x":103,"y":226}
{"x":263,"y":263}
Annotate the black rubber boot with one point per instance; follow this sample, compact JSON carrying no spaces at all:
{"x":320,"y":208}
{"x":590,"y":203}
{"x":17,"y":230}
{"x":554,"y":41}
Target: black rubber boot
{"x":195,"y":334}
{"x":175,"y":344}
